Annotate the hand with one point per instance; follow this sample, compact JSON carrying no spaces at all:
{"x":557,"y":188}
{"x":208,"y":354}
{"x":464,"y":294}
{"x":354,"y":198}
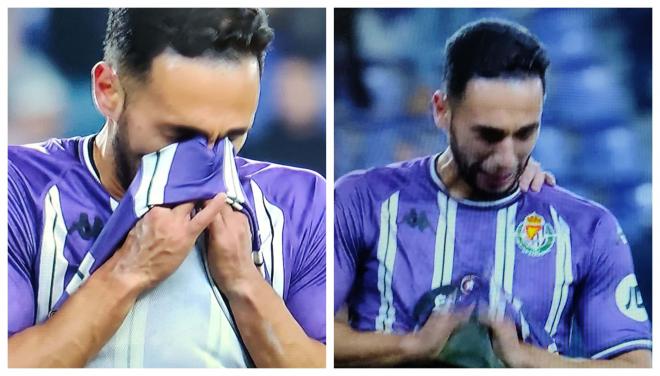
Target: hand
{"x":506,"y":345}
{"x":533,"y":177}
{"x":427,"y":343}
{"x":160,"y":241}
{"x":229,"y":250}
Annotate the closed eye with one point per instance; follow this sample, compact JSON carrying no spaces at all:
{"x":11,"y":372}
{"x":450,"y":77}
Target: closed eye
{"x":489,"y":134}
{"x":524,"y":133}
{"x":181,"y":133}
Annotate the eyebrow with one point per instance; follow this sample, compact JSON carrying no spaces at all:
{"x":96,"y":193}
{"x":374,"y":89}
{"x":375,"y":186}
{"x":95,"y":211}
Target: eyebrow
{"x":500,"y":132}
{"x":189,"y":129}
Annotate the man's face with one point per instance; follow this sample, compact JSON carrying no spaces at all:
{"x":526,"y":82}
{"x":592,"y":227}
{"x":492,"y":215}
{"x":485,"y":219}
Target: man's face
{"x":492,"y":132}
{"x":184,"y":97}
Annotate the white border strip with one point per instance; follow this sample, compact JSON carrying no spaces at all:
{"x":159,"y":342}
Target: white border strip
{"x":638,"y":342}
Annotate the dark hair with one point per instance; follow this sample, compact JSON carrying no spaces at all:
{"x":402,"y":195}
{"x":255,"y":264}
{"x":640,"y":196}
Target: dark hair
{"x":492,"y":48}
{"x":135,"y":36}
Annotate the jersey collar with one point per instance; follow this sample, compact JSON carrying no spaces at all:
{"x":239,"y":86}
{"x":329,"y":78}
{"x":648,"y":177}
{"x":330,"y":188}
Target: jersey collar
{"x":87,"y":151}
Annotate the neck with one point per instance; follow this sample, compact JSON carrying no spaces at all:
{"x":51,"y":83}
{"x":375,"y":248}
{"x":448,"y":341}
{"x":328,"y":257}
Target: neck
{"x":104,"y":159}
{"x":447,"y":170}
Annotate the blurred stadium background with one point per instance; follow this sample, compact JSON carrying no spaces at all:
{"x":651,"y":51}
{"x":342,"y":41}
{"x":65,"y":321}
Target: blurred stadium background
{"x":596,"y":134}
{"x":52,"y":51}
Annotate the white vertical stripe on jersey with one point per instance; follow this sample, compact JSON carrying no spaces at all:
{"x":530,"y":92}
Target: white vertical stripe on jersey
{"x":277,"y":216}
{"x":564,"y":236}
{"x":226,"y":170}
{"x":234,"y":175}
{"x":113,"y":204}
{"x":137,"y":332}
{"x":140,"y":199}
{"x":563,"y":273}
{"x":448,"y":264}
{"x":77,"y":280}
{"x":231,"y":174}
{"x":497,"y":276}
{"x":270,"y":215}
{"x":385,"y":255}
{"x":440,"y":241}
{"x":510,"y":249}
{"x":389,"y":262}
{"x":265,"y":234}
{"x":52,"y":263}
{"x":161,"y":174}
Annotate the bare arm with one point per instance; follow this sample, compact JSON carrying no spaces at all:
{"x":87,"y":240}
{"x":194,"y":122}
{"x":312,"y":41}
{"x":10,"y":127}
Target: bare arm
{"x":519,"y":354}
{"x":80,"y":328}
{"x":375,"y":349}
{"x":271,"y":334}
{"x":536,"y":357}
{"x":87,"y":320}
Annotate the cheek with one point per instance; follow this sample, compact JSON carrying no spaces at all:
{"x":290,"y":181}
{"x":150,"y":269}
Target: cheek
{"x":144,"y":137}
{"x":239,"y":142}
{"x":524,"y":149}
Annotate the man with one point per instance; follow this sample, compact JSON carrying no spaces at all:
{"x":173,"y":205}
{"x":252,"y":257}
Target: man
{"x":421,"y":226}
{"x":168,"y":75}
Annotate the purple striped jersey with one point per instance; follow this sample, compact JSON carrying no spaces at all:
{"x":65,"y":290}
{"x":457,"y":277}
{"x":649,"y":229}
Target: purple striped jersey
{"x":57,"y":208}
{"x":564,"y":259}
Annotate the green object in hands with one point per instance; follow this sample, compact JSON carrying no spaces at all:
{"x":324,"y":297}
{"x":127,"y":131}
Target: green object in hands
{"x":470,"y":346}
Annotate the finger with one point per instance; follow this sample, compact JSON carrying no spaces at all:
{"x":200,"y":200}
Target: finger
{"x":550,"y":179}
{"x":184,"y":209}
{"x":537,"y":182}
{"x":204,"y":217}
{"x":528,"y":174}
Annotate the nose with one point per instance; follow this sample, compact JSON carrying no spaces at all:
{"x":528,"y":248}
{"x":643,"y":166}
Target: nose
{"x":505,"y":155}
{"x":212,"y":139}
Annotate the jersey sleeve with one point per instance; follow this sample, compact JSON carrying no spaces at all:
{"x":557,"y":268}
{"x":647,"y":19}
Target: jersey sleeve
{"x":22,"y":250}
{"x":610,"y":310}
{"x":306,"y":295}
{"x":348,"y":237}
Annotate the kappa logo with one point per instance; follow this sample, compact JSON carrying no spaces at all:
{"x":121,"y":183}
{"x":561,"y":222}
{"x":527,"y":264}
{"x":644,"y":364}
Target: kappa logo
{"x":535,"y":236}
{"x":85,"y":229}
{"x":417,"y":220}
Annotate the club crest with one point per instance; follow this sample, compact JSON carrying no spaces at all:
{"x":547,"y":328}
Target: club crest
{"x":534,"y":236}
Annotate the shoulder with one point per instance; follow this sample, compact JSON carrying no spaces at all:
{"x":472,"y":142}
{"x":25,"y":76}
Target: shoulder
{"x":585,"y":218}
{"x":282,"y":183}
{"x":569,"y":203}
{"x":37,"y":166}
{"x":381,"y":182}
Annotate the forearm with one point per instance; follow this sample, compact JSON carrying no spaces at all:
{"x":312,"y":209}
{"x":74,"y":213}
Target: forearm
{"x":84,"y":323}
{"x":371,"y":349}
{"x":269,"y":331}
{"x":535,"y":357}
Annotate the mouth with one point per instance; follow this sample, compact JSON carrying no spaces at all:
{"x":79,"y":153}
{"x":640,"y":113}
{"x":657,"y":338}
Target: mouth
{"x":498,"y":181}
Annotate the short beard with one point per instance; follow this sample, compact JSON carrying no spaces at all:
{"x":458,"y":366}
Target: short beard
{"x":468,"y":172}
{"x":126,"y":164}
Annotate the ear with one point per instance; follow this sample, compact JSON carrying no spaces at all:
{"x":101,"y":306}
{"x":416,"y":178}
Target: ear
{"x":441,"y":110}
{"x":107,"y":91}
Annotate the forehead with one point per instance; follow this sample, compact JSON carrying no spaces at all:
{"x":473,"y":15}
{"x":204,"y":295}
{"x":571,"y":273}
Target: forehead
{"x":502,"y":102}
{"x":191,"y":87}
